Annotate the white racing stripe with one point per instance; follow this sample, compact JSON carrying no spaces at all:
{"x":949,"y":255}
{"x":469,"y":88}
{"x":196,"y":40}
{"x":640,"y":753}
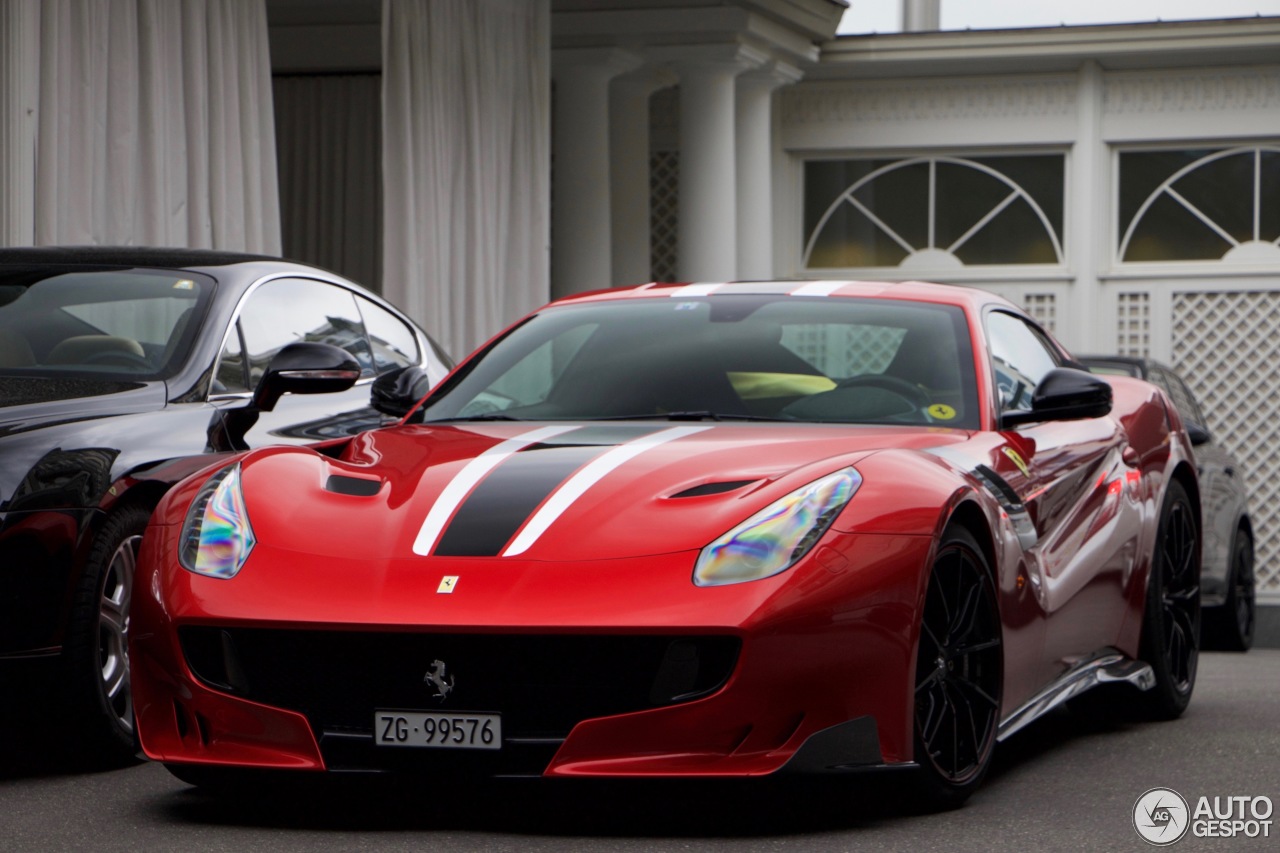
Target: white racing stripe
{"x":574,"y":487}
{"x":474,"y":471}
{"x":818,"y":288}
{"x":702,"y":289}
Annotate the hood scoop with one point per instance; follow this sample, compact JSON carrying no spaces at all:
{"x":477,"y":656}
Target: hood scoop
{"x":356,"y":487}
{"x":713,"y":489}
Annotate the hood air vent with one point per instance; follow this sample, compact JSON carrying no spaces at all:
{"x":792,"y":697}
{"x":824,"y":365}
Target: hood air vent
{"x":355,"y":486}
{"x":713,"y":489}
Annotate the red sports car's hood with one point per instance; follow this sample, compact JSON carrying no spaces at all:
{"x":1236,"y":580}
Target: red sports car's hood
{"x":546,"y":491}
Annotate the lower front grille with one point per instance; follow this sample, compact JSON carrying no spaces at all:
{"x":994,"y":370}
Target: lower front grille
{"x":542,"y":685}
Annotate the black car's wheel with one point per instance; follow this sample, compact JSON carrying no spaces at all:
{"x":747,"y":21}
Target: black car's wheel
{"x":1171,"y":621}
{"x":97,"y":649}
{"x":959,"y":673}
{"x":1230,"y":626}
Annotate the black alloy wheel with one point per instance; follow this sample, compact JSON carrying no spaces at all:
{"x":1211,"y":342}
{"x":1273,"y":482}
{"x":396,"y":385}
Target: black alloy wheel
{"x":959,"y":673}
{"x":1230,"y":627}
{"x":1171,"y":621}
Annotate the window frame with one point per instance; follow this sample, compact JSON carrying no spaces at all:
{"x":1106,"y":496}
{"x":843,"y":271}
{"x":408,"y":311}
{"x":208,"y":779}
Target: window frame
{"x":997,"y":273}
{"x":1122,"y":269}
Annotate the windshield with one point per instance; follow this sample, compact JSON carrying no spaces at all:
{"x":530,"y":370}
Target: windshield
{"x":136,"y":324}
{"x":733,"y":357}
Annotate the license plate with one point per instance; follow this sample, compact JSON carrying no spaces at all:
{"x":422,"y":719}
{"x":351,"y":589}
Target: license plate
{"x":440,"y":731}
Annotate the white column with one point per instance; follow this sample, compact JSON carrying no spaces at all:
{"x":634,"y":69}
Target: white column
{"x":1087,"y":241}
{"x":754,"y":121}
{"x":708,"y":229}
{"x":581,"y":230}
{"x":629,"y":171}
{"x":19,"y":93}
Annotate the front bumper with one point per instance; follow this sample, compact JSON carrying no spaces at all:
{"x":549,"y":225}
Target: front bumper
{"x":639,"y":676}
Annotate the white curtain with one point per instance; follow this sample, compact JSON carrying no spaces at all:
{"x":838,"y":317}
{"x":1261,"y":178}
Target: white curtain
{"x":19,"y":73}
{"x":329,"y":139}
{"x":154,"y":125}
{"x":466,"y":161}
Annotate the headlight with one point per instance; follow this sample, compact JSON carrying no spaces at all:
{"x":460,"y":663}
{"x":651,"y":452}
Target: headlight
{"x":772,"y":540}
{"x":216,"y":536}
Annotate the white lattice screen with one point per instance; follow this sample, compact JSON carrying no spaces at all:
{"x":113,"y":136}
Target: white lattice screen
{"x":1044,"y":307}
{"x":664,"y":183}
{"x":1133,"y":324}
{"x":842,"y":351}
{"x":1226,"y":346}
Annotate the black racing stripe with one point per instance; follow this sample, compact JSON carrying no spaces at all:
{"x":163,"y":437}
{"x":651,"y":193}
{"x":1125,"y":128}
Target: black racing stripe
{"x":501,"y":503}
{"x":496,"y":508}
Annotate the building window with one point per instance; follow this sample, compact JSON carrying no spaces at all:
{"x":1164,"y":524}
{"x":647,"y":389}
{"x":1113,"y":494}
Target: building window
{"x":1200,"y":204}
{"x":934,"y":212}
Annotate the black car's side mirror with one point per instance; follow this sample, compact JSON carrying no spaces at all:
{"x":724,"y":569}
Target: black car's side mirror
{"x":396,"y":393}
{"x":305,"y":368}
{"x":1065,"y":394}
{"x":1197,"y":434}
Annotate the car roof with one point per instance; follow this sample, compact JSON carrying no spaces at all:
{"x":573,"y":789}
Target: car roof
{"x":917,"y":291}
{"x":124,"y":255}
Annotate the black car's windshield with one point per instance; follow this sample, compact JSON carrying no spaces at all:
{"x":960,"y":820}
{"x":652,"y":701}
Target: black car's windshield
{"x":116,"y":323}
{"x":725,"y":357}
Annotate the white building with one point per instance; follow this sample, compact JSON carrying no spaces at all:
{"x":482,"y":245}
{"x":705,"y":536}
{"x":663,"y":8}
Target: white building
{"x":1121,"y":182}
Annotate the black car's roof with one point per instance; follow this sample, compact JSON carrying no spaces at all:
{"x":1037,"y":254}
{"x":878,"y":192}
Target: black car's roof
{"x":125,"y":255}
{"x":1118,"y":359}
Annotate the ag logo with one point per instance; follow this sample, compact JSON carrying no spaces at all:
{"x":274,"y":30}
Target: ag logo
{"x":1161,"y":816}
{"x":442,"y":683}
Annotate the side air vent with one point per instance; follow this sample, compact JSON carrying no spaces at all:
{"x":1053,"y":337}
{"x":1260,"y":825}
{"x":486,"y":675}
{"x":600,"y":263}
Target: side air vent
{"x":354,"y":486}
{"x":713,"y":489}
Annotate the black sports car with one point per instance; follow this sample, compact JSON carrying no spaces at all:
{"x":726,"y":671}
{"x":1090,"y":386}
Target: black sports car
{"x":121,"y":371}
{"x":1226,"y":579}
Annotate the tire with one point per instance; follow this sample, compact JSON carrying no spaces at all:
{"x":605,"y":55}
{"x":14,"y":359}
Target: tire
{"x":959,"y":674}
{"x":1230,"y":626}
{"x":1171,"y":618}
{"x":96,"y":654}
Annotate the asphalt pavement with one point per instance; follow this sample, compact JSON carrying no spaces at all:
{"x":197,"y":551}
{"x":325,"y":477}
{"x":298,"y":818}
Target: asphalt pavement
{"x":1068,"y":782}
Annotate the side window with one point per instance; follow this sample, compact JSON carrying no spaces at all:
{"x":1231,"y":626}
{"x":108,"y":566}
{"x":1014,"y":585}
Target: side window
{"x":1179,"y":394}
{"x":394,"y":344}
{"x":230,"y":377}
{"x":285,"y":311}
{"x":1021,"y":358}
{"x":1183,"y":397}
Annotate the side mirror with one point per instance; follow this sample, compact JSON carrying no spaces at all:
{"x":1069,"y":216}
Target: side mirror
{"x":1065,"y":394}
{"x":1197,"y":434}
{"x":305,"y":368}
{"x":396,"y":393}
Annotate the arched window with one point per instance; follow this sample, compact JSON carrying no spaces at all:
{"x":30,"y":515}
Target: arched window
{"x":934,"y":213}
{"x":1200,"y":205}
